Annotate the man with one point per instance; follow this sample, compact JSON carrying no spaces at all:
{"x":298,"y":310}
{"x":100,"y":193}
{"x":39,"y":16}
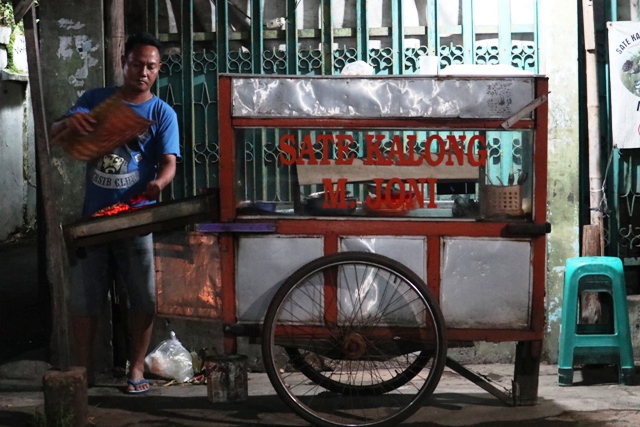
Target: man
{"x":141,"y":167}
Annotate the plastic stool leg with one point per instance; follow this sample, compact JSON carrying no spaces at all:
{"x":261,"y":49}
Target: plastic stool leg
{"x":626,"y":376}
{"x":565,"y":376}
{"x":568,"y":329}
{"x":623,"y":330}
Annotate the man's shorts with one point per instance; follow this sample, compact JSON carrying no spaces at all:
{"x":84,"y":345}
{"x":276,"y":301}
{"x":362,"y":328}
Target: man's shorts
{"x":91,"y":278}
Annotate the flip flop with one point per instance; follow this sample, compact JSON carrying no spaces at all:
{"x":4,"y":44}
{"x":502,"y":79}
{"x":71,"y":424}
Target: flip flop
{"x":136,"y":384}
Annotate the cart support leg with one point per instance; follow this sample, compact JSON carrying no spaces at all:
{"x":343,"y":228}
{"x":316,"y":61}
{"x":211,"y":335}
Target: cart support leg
{"x":527,"y":371}
{"x":481,"y":381}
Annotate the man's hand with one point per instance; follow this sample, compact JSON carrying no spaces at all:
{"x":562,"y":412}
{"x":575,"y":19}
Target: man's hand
{"x":153,"y":190}
{"x":81,"y":123}
{"x":166,"y":172}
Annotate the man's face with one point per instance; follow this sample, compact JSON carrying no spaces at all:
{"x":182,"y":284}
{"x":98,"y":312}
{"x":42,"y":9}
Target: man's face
{"x":140,"y":68}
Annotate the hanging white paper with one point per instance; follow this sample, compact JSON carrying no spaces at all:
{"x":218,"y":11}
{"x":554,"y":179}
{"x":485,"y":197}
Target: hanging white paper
{"x":624,"y":70}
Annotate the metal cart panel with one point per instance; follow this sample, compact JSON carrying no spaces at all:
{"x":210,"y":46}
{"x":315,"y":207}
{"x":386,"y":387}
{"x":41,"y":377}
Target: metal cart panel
{"x":477,"y":291}
{"x":411,"y":251}
{"x":315,"y":97}
{"x":272,"y":260}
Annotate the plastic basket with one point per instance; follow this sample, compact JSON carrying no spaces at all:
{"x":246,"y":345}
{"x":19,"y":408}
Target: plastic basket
{"x":502,"y":200}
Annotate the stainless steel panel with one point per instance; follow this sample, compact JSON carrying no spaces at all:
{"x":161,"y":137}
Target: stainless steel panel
{"x":263,"y":263}
{"x":374,"y":291}
{"x":486,"y":283}
{"x":377,"y":97}
{"x":410,"y":251}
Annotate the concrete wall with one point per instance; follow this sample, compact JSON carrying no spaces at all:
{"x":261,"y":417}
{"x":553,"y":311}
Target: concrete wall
{"x":72,"y":51}
{"x":559,"y":60}
{"x":17,"y":157}
{"x":72,"y":56}
{"x":17,"y":153}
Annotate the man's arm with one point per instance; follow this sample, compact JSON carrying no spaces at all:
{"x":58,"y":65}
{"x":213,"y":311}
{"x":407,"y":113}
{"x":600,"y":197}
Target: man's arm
{"x":166,"y":172}
{"x":81,"y":123}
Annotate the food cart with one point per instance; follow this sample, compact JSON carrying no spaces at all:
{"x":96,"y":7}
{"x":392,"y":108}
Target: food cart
{"x":368,"y":221}
{"x":364,"y":225}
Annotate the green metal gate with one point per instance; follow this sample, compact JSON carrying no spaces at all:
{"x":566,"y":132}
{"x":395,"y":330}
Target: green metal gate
{"x":290,"y":45}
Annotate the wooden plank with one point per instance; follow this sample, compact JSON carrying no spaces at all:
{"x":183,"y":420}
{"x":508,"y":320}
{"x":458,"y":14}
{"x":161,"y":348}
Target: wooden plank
{"x":493,"y":335}
{"x":20,"y":9}
{"x":359,"y":172}
{"x":526,"y":372}
{"x":593,"y":112}
{"x":56,"y":260}
{"x":525,"y":112}
{"x":136,"y":230}
{"x":205,"y":207}
{"x":591,"y":241}
{"x":592,"y":309}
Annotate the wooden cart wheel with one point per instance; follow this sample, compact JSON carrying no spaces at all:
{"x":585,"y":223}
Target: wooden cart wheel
{"x":364,"y":339}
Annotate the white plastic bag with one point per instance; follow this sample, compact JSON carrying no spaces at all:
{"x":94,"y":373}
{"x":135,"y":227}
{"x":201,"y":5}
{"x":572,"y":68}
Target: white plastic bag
{"x":170,"y":360}
{"x":357,"y":68}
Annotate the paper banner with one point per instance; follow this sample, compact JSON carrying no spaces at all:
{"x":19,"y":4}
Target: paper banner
{"x":624,"y":70}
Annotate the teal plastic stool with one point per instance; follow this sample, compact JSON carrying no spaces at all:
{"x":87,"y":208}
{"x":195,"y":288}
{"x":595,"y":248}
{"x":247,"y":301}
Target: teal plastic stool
{"x":577,"y":343}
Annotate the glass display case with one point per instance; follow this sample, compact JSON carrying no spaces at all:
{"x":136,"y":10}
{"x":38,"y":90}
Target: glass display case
{"x":419,"y":170}
{"x":416,"y":173}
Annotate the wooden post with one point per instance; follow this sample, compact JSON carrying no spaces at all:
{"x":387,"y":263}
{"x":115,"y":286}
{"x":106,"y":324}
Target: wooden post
{"x":56,"y":256}
{"x":65,"y":390}
{"x":594,"y":309}
{"x":591,"y":241}
{"x":20,"y":8}
{"x":593,"y":114}
{"x":527,"y":372}
{"x":115,"y":41}
{"x":65,"y":397}
{"x":227,"y":378}
{"x":113,"y":323}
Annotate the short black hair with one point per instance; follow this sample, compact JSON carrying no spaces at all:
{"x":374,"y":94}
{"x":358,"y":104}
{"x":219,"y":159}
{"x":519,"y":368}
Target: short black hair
{"x":143,"y":39}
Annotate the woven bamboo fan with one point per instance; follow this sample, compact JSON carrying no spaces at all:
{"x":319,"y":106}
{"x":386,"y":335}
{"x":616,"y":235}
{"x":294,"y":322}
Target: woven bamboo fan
{"x":116,"y":124}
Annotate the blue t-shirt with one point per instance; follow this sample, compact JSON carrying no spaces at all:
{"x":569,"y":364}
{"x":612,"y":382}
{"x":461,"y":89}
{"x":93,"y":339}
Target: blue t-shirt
{"x":125,"y":173}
